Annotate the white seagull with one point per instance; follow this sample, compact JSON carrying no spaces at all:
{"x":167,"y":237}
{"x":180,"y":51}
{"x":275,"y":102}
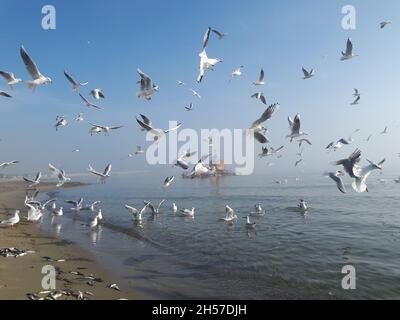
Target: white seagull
{"x":97,"y":94}
{"x":136,"y":214}
{"x":336,"y":176}
{"x":349,"y":51}
{"x":75,"y":84}
{"x":77,"y":204}
{"x":152,"y":208}
{"x":190,"y":107}
{"x":260,"y":96}
{"x":79,"y":117}
{"x":9,"y":163}
{"x":349,"y":164}
{"x":37,"y":78}
{"x":294,"y":126}
{"x":105,"y":129}
{"x":359,"y":184}
{"x":12,"y":221}
{"x":34,"y":213}
{"x":35,"y":181}
{"x":60,"y":122}
{"x":103,"y":175}
{"x":230,"y":215}
{"x":10,"y":78}
{"x":187,"y":212}
{"x":256,"y":127}
{"x":206,"y":63}
{"x":59,"y":174}
{"x":237,"y":72}
{"x":260,"y":80}
{"x":147,"y":86}
{"x":158,"y":133}
{"x":195,"y":94}
{"x":88,"y":103}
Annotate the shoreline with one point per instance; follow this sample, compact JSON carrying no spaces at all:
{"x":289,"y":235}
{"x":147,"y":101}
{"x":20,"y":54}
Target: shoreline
{"x":22,"y":276}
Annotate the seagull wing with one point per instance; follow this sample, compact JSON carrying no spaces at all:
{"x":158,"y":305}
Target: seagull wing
{"x":173,"y":129}
{"x":107,"y":170}
{"x":70,"y":79}
{"x":9,"y":76}
{"x":30,"y":64}
{"x":338,"y":181}
{"x":206,"y":37}
{"x":349,"y":47}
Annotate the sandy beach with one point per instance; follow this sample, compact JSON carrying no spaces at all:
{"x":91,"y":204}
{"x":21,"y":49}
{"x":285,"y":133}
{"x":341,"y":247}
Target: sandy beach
{"x":20,"y":277}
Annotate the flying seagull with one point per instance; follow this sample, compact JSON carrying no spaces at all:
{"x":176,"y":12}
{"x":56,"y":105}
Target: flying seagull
{"x":294,"y":126}
{"x":75,"y":84}
{"x":356,"y":101}
{"x":237,"y":72}
{"x":336,"y":176}
{"x":349,"y":51}
{"x":384,"y":24}
{"x":60,"y":122}
{"x":256,"y":125}
{"x":35,"y":181}
{"x":304,"y":140}
{"x":137,"y":215}
{"x":219,"y":34}
{"x":88,"y":103}
{"x":356,"y":93}
{"x":9,"y":163}
{"x":308,"y":74}
{"x":168,"y":181}
{"x":103,"y":175}
{"x":206,"y":63}
{"x":147,"y":86}
{"x":37,"y":78}
{"x":156,"y":132}
{"x":79,"y":117}
{"x":59,"y":174}
{"x":260,"y":96}
{"x":260,"y":80}
{"x":265,"y":152}
{"x":349,"y":164}
{"x":10,"y":78}
{"x":359,"y":184}
{"x":384,"y":130}
{"x":97,"y":94}
{"x":190,"y":107}
{"x":195,"y":94}
{"x":5,"y":94}
{"x":105,"y":129}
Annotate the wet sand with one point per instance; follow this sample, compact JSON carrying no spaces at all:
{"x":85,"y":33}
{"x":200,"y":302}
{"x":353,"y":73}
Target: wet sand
{"x":22,"y":276}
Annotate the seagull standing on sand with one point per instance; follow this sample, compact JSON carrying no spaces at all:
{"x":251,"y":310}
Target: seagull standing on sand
{"x":147,"y":86}
{"x":75,"y":84}
{"x":294,"y":126}
{"x":59,"y":174}
{"x":359,"y":184}
{"x":349,"y":51}
{"x":33,"y":182}
{"x":37,"y":78}
{"x":12,"y":221}
{"x":10,"y":78}
{"x":103,"y":175}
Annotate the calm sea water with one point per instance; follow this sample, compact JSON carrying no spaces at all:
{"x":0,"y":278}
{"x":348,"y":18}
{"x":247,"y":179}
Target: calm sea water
{"x":289,"y":255}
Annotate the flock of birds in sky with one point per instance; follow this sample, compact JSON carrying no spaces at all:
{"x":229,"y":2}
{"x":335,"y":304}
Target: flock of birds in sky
{"x":147,"y":89}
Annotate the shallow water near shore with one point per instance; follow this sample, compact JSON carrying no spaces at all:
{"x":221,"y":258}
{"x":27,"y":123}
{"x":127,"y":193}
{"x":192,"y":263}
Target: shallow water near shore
{"x":289,"y":255}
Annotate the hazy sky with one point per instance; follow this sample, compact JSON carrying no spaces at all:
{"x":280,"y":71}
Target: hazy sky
{"x":104,"y":42}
